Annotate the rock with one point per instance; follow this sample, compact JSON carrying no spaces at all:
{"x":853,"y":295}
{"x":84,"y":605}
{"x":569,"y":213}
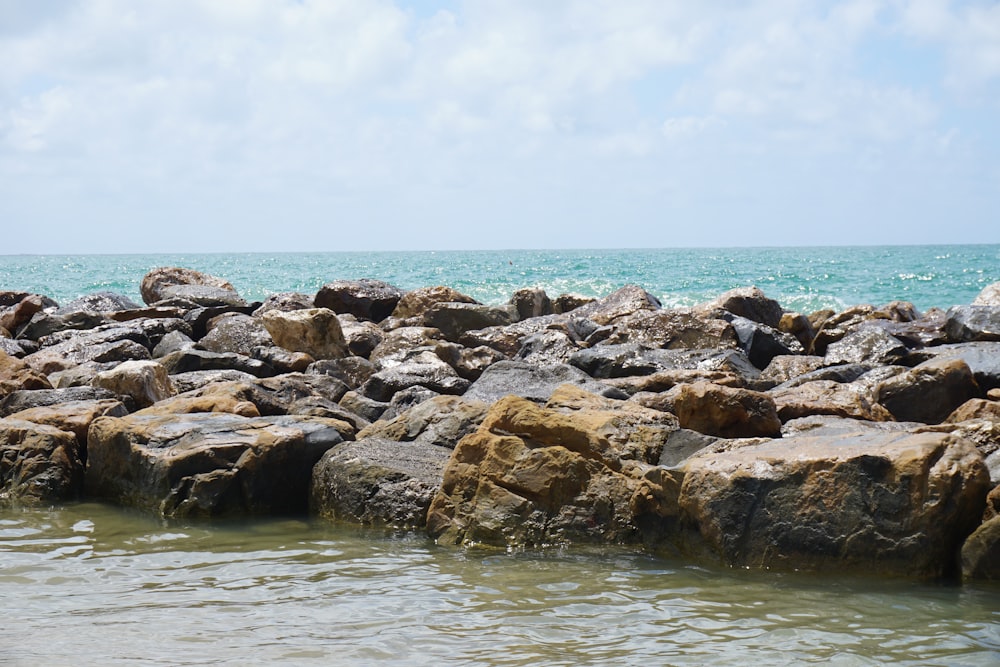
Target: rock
{"x":185,"y":361}
{"x":567,"y":303}
{"x":317,"y":406}
{"x":841,"y":373}
{"x":98,"y":302}
{"x":39,"y":464}
{"x":724,"y":411}
{"x":838,"y":325}
{"x":531,"y":302}
{"x":469,"y":363}
{"x":15,"y":348}
{"x":45,"y":324}
{"x":281,"y":360}
{"x":982,"y":358}
{"x":924,"y":332}
{"x":145,"y":382}
{"x":672,"y":329}
{"x":415,"y":303}
{"x":929,"y":392}
{"x":207,"y":464}
{"x":376,"y":481}
{"x":751,"y":303}
{"x":16,"y":375}
{"x":155,"y":284}
{"x":973,"y":323}
{"x":508,"y":340}
{"x":398,"y":343}
{"x":362,"y":337}
{"x":74,"y":417}
{"x":867,"y":345}
{"x":361,"y":405}
{"x":681,"y":445}
{"x":420,"y":367}
{"x":625,"y":301}
{"x":235,"y":332}
{"x":440,"y":421}
{"x":198,"y":318}
{"x":315,"y":331}
{"x":17,"y":315}
{"x":546,"y":348}
{"x":826,"y":397}
{"x":173,"y":341}
{"x":981,"y":553}
{"x":78,"y":376}
{"x":799,"y":326}
{"x":17,"y":401}
{"x":783,"y":368}
{"x":989,"y":296}
{"x":661,"y":381}
{"x":763,"y":343}
{"x":352,"y":371}
{"x":285,"y":302}
{"x":877,"y":503}
{"x":194,"y":380}
{"x":290,"y":387}
{"x":10,"y":298}
{"x":407,"y":398}
{"x":455,"y":319}
{"x":535,"y":383}
{"x":533,"y":476}
{"x":191,"y":403}
{"x":975,"y":408}
{"x":365,"y":299}
{"x":829,"y":425}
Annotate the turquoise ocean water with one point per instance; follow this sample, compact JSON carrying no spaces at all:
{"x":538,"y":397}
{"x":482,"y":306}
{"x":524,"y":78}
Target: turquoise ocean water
{"x":802,"y":279}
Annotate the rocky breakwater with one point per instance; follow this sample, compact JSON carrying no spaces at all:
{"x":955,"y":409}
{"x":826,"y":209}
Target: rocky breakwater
{"x":866,"y":440}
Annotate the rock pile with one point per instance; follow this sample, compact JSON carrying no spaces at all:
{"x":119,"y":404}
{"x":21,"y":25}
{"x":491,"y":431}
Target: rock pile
{"x":866,"y":440}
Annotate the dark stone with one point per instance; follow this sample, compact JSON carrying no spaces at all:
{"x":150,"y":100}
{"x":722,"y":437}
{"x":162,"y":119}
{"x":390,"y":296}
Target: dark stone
{"x":929,"y":392}
{"x":752,"y":304}
{"x":366,"y":299}
{"x":360,"y":404}
{"x":761,"y":342}
{"x":173,"y":341}
{"x":404,"y":399}
{"x":98,"y":302}
{"x":546,"y":348}
{"x":455,"y":319}
{"x":420,"y":367}
{"x":981,"y":553}
{"x":973,"y":324}
{"x":567,"y":303}
{"x":25,"y":399}
{"x":285,"y":302}
{"x":982,"y":358}
{"x":469,"y":363}
{"x":867,"y":345}
{"x":531,"y":302}
{"x":184,"y":361}
{"x":625,"y":301}
{"x":39,"y":464}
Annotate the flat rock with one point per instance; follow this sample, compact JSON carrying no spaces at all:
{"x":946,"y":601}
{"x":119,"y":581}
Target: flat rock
{"x":25,"y":399}
{"x":826,"y":397}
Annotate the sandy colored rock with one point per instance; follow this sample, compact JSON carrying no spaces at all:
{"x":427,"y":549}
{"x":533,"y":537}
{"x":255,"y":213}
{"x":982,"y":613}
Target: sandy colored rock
{"x":146,"y":382}
{"x":724,"y":411}
{"x":826,"y":397}
{"x":154,"y":284}
{"x":929,"y":392}
{"x":315,"y":331}
{"x":416,"y":302}
{"x":16,"y":375}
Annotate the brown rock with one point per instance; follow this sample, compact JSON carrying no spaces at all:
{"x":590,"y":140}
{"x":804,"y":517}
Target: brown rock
{"x":751,"y":303}
{"x":415,"y":303}
{"x":187,"y":404}
{"x":146,"y":382}
{"x":73,"y":416}
{"x":975,"y":408}
{"x":989,"y":296}
{"x":620,"y":303}
{"x":16,"y":374}
{"x":724,"y":411}
{"x":981,"y":553}
{"x":39,"y":464}
{"x":674,"y":330}
{"x":826,"y":397}
{"x":929,"y":392}
{"x":153,"y":287}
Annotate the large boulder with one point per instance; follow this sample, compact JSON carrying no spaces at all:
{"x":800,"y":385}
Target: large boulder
{"x":929,"y":392}
{"x":751,"y":303}
{"x":315,"y":331}
{"x":37,"y":398}
{"x":983,"y":359}
{"x":672,"y":329}
{"x":532,"y":476}
{"x":73,"y":416}
{"x":420,"y":367}
{"x":533,"y":382}
{"x":365,"y":299}
{"x":39,"y":464}
{"x":628,"y":300}
{"x":235,"y":332}
{"x":362,"y":337}
{"x":981,"y":553}
{"x":973,"y":323}
{"x":15,"y":316}
{"x":207,"y":464}
{"x":531,"y":302}
{"x":416,"y":302}
{"x":469,"y":363}
{"x":145,"y":382}
{"x":826,"y":397}
{"x":16,"y":375}
{"x":725,"y":412}
{"x":455,"y":319}
{"x":989,"y":296}
{"x":156,"y":284}
{"x":867,"y":345}
{"x":98,"y":302}
{"x":442,"y":421}
{"x":190,"y":360}
{"x":889,"y":503}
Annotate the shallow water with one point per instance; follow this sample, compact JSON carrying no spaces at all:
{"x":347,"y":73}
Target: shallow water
{"x":90,"y":584}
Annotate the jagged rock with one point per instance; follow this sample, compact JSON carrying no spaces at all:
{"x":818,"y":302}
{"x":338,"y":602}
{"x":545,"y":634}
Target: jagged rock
{"x":113,"y":345}
{"x":365,"y":299}
{"x":826,"y":397}
{"x":533,"y":382}
{"x":78,"y":376}
{"x":362,"y":337}
{"x":285,"y":302}
{"x":290,"y":387}
{"x":98,"y":302}
{"x":17,"y":401}
{"x":761,"y":342}
{"x":317,"y":406}
{"x":973,"y":323}
{"x":198,"y":318}
{"x":672,"y":329}
{"x":798,"y":325}
{"x":842,"y":373}
{"x":641,"y":387}
{"x":724,"y":411}
{"x":377,"y":481}
{"x":398,"y":343}
{"x":981,"y":553}
{"x":829,"y":425}
{"x":783,"y":368}
{"x":982,"y":358}
{"x":620,"y":303}
{"x":929,"y":392}
{"x":315,"y":331}
{"x":74,"y":417}
{"x":185,"y":361}
{"x":441,"y":421}
{"x":10,"y":298}
{"x":45,"y":324}
{"x":204,"y":296}
{"x":352,"y":371}
{"x":39,"y":464}
{"x":145,"y":382}
{"x":989,"y":296}
{"x":235,"y":332}
{"x":361,"y":405}
{"x":567,"y":303}
{"x":16,"y":375}
{"x":281,"y":360}
{"x":926,"y":331}
{"x":193,"y":380}
{"x":546,"y":348}
{"x":155,"y":284}
{"x":469,"y":363}
{"x":173,"y":341}
{"x":404,"y":399}
{"x":531,"y":302}
{"x":16,"y":348}
{"x":509,"y":339}
{"x":532,"y":476}
{"x":207,"y":464}
{"x":184,"y":404}
{"x":13,"y":317}
{"x":840,"y":324}
{"x":975,"y":408}
{"x":867,"y":345}
{"x":751,"y":303}
{"x":420,"y":367}
{"x":891,"y":503}
{"x":416,"y":302}
{"x":455,"y":319}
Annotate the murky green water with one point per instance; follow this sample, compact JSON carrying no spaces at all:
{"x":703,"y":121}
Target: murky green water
{"x":94,"y":585}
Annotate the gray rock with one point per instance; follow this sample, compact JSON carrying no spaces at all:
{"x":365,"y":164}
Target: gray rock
{"x":184,"y":361}
{"x":352,"y":371}
{"x":99,"y":302}
{"x":365,"y":299}
{"x":237,"y":333}
{"x":420,"y":367}
{"x":39,"y":464}
{"x":531,"y":302}
{"x":17,"y":401}
{"x":867,"y":345}
{"x":455,"y":319}
{"x":536,"y":383}
{"x":973,"y":323}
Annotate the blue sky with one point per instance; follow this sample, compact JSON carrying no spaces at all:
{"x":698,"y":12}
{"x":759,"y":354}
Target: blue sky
{"x":279,"y":125}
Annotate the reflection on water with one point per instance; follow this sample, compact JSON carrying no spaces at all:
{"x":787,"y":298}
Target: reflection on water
{"x":94,"y":585}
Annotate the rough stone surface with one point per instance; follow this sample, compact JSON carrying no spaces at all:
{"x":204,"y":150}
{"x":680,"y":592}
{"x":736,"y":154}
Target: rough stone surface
{"x":469,"y":363}
{"x":362,"y":337}
{"x":420,"y":367}
{"x":893,"y":503}
{"x":189,"y":360}
{"x":867,"y":345}
{"x":751,"y":303}
{"x":989,"y":296}
{"x":235,"y":332}
{"x":145,"y":382}
{"x":724,"y":411}
{"x":929,"y":392}
{"x":973,"y":323}
{"x":315,"y":331}
{"x":399,"y":343}
{"x":416,"y":302}
{"x":17,"y":375}
{"x":155,"y":283}
{"x":39,"y":464}
{"x":441,"y":421}
{"x":981,"y":553}
{"x":535,"y":383}
{"x":531,"y":302}
{"x":975,"y":408}
{"x":455,"y":319}
{"x":620,"y":303}
{"x":73,"y":416}
{"x":27,"y":399}
{"x":672,"y":330}
{"x":207,"y":464}
{"x":982,"y":358}
{"x":352,"y":371}
{"x":826,"y":397}
{"x":285,"y":302}
{"x":365,"y":299}
{"x":783,"y":368}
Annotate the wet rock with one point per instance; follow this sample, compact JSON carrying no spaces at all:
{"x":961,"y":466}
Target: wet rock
{"x":826,"y":397}
{"x":843,"y":373}
{"x":315,"y":331}
{"x":455,"y":319}
{"x":145,"y":382}
{"x":207,"y":464}
{"x":546,"y":348}
{"x":378,"y":482}
{"x":890,"y":503}
{"x":420,"y":367}
{"x":536,"y":383}
{"x":285,"y":302}
{"x":981,"y":553}
{"x":235,"y":332}
{"x":115,"y":344}
{"x":973,"y":323}
{"x":290,"y":387}
{"x":509,"y":339}
{"x":867,"y":345}
{"x":724,"y":411}
{"x":17,"y":401}
{"x":74,"y":417}
{"x":16,"y":348}
{"x":39,"y":464}
{"x":156,"y":284}
{"x":838,"y":325}
{"x":16,"y":375}
{"x":982,"y":358}
{"x":975,"y":408}
{"x":365,"y":299}
{"x":798,"y":325}
{"x":45,"y":324}
{"x":416,"y":302}
{"x":533,"y":476}
{"x":531,"y":302}
{"x":763,"y":343}
{"x":198,"y":319}
{"x":929,"y":392}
